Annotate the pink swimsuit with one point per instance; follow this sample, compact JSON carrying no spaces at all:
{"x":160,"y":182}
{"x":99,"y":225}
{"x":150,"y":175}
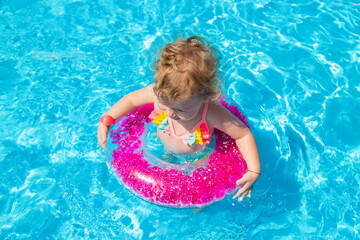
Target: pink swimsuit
{"x":198,"y":134}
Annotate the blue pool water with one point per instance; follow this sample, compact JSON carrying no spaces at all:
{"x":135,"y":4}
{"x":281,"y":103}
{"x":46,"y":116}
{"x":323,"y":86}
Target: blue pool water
{"x":293,"y":67}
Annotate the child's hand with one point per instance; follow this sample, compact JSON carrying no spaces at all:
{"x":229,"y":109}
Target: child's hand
{"x":247,"y":182}
{"x":101,"y":134}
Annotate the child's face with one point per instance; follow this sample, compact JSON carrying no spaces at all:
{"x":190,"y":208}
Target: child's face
{"x":185,"y":110}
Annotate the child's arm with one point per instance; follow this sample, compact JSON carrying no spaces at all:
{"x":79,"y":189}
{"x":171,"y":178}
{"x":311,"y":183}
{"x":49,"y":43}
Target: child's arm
{"x":247,"y":146}
{"x":223,"y":120}
{"x":124,"y":106}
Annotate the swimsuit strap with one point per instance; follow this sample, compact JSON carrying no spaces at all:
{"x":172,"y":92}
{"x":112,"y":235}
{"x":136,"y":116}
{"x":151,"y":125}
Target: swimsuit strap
{"x":172,"y":129}
{"x":203,"y":119}
{"x":186,"y":135}
{"x":198,"y":134}
{"x":205,"y":111}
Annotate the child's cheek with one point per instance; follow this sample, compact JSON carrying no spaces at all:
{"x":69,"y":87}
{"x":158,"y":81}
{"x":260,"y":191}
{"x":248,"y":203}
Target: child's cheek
{"x":187,"y":116}
{"x":182,"y":116}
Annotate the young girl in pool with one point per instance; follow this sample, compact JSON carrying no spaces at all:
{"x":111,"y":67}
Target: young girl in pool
{"x":185,"y":99}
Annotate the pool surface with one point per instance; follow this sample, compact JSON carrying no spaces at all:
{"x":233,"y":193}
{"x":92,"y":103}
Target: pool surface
{"x":293,"y":67}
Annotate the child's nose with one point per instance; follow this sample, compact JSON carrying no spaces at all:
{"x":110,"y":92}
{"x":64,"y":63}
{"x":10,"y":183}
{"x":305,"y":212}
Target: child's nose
{"x":170,"y":113}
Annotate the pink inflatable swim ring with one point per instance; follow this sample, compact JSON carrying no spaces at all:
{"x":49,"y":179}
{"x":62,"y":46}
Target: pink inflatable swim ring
{"x":172,"y":187}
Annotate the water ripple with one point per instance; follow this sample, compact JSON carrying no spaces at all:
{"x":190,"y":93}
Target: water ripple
{"x":291,"y":66}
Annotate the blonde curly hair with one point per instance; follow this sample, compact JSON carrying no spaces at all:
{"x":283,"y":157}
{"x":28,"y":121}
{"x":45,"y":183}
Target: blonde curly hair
{"x":186,"y":68}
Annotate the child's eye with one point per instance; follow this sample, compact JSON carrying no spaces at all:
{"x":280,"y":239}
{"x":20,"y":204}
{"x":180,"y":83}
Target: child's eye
{"x":178,"y":110}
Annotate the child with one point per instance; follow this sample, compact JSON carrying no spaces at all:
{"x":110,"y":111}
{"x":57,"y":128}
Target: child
{"x":184,"y":97}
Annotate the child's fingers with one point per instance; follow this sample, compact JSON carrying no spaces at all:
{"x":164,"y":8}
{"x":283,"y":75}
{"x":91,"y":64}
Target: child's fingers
{"x":242,"y":195}
{"x":240,"y":181}
{"x":250,"y":192}
{"x":102,"y":144}
{"x":101,"y":140}
{"x":246,"y":193}
{"x":243,"y":180}
{"x":241,"y":190}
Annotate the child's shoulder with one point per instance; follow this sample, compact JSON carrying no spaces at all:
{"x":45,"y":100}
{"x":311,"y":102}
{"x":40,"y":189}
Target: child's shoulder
{"x":216,"y":107}
{"x":149,"y":91}
{"x":217,"y":114}
{"x":142,"y":96}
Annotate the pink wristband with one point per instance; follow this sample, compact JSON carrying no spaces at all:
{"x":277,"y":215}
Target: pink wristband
{"x":254,"y":172}
{"x":107,"y":120}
